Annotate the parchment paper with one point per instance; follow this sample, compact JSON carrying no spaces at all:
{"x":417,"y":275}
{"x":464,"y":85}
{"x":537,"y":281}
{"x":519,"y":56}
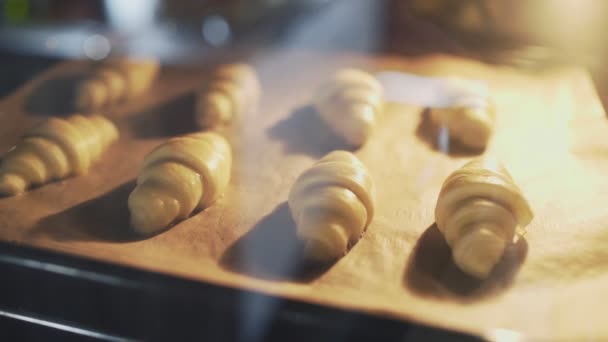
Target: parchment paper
{"x":551,"y":134}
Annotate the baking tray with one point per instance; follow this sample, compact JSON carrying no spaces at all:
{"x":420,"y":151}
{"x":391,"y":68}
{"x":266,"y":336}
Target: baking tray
{"x":549,"y":133}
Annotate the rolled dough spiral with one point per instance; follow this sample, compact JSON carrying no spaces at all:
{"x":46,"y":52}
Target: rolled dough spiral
{"x":350,"y":103}
{"x":479,"y":211}
{"x":178,"y":176}
{"x":332,"y":203}
{"x":228,"y":92}
{"x":115,"y":81}
{"x":55,"y":149}
{"x":469,"y":120}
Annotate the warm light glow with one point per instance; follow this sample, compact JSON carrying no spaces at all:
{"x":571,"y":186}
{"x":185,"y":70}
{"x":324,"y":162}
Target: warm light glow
{"x":504,"y":335}
{"x":573,"y":24}
{"x":438,"y":92}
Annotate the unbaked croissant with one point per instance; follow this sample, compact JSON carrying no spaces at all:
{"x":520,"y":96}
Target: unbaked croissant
{"x":55,"y":149}
{"x":350,"y":103}
{"x":178,"y":176}
{"x":469,"y":120}
{"x":480,"y":211}
{"x":228,"y":92}
{"x":115,"y":81}
{"x":332,"y":203}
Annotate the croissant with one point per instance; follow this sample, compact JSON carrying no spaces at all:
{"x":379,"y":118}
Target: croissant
{"x":469,"y":120}
{"x":55,"y":149}
{"x":178,"y":176}
{"x":349,"y":103}
{"x":228,"y":92}
{"x":480,"y":210}
{"x":332,"y":203}
{"x":115,"y":81}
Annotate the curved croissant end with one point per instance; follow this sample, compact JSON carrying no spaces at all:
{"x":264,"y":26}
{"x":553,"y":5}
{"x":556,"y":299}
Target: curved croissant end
{"x":350,"y":103}
{"x":470,"y":120}
{"x":55,"y":149}
{"x":178,"y":176}
{"x":332,"y":203}
{"x":479,"y":211}
{"x":230,"y":91}
{"x":114,"y":81}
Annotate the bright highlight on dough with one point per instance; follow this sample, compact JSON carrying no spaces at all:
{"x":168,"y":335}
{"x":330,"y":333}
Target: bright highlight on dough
{"x":332,"y":204}
{"x":479,"y":211}
{"x":55,"y":149}
{"x":178,"y":176}
{"x":350,"y":103}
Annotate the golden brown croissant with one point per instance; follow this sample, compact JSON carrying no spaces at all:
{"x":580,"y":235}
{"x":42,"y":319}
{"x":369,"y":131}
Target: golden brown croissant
{"x":178,"y":176}
{"x":332,"y":203}
{"x":115,"y":81}
{"x":469,"y":120}
{"x":350,"y":103}
{"x":480,"y":211}
{"x":228,"y":92}
{"x":55,"y":149}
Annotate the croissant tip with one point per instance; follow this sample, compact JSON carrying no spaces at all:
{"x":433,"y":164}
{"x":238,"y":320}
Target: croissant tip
{"x":478,"y":252}
{"x":12,"y":185}
{"x":140,"y":225}
{"x":319,"y":252}
{"x":213,"y":110}
{"x":146,"y":211}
